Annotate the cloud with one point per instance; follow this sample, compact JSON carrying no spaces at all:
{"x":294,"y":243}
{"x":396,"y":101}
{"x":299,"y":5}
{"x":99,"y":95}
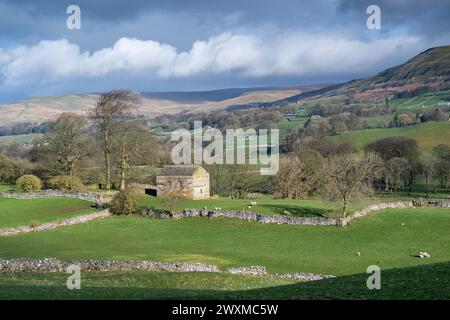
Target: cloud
{"x":245,"y":55}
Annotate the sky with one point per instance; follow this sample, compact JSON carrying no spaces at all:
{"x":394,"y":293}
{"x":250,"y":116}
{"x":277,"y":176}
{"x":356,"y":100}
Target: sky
{"x":195,"y":45}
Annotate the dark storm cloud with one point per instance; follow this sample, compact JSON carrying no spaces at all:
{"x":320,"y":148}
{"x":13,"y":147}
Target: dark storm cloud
{"x":204,"y":44}
{"x":430,"y":18}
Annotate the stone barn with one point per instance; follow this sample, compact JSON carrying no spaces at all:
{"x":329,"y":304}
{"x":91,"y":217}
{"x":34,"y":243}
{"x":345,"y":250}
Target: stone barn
{"x":192,"y":181}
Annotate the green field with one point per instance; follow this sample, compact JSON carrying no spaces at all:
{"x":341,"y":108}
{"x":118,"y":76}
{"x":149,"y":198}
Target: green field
{"x":299,"y":208}
{"x":15,"y":213}
{"x":421,"y":282}
{"x":427,"y":135}
{"x":428,"y":100}
{"x":295,"y":124}
{"x":390,"y":239}
{"x":7,"y":187}
{"x":21,"y":138}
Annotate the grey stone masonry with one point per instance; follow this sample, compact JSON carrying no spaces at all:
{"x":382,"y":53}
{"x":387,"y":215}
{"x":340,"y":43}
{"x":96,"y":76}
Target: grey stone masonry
{"x":284,"y":219}
{"x":52,"y":225}
{"x":100,"y":200}
{"x":55,"y":265}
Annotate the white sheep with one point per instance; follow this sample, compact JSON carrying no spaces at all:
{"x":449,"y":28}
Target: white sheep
{"x":424,"y":255}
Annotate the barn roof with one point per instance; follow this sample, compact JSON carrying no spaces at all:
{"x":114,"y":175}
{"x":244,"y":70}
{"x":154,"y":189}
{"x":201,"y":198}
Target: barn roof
{"x":179,"y":170}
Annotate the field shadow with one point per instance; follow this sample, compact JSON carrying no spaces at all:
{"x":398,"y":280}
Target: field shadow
{"x":298,"y":211}
{"x":410,"y":283}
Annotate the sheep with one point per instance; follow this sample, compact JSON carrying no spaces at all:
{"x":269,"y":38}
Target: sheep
{"x":424,"y":255}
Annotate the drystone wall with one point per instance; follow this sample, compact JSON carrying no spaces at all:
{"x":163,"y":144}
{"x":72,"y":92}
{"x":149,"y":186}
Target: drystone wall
{"x":55,"y":265}
{"x":100,"y":200}
{"x":52,"y":225}
{"x":243,"y":215}
{"x":285,"y":219}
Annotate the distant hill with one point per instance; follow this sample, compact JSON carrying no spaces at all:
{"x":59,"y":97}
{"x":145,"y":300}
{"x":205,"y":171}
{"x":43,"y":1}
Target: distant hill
{"x":220,"y":94}
{"x":428,"y":70}
{"x":42,"y":109}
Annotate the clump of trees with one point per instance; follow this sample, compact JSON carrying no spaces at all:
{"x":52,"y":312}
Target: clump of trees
{"x":11,"y":168}
{"x":437,"y":115}
{"x":65,"y":140}
{"x":232,"y":119}
{"x":110,"y":107}
{"x":331,"y":107}
{"x":236,"y":180}
{"x":439,"y":166}
{"x":299,"y":175}
{"x":396,"y":171}
{"x":398,"y":148}
{"x":405,"y":119}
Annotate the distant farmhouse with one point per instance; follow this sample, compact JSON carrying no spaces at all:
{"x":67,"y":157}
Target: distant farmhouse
{"x":192,"y":181}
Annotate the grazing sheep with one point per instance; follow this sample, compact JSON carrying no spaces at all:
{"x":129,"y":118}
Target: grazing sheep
{"x":424,"y":255}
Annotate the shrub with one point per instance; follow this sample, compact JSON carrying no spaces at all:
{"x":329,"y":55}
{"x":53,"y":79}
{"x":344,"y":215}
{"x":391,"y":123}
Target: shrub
{"x":171,"y":201}
{"x":65,"y":183}
{"x":126,"y":201}
{"x":29,"y":183}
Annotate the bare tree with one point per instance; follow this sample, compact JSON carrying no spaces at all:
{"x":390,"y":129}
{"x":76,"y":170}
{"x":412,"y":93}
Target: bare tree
{"x":65,"y":141}
{"x":396,"y":173}
{"x":130,"y":140}
{"x":298,"y":176}
{"x":110,"y":107}
{"x":350,"y":177}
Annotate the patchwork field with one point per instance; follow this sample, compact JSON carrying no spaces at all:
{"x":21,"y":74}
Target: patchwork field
{"x":427,"y":135}
{"x":428,"y":100}
{"x":15,"y":213}
{"x":390,"y":239}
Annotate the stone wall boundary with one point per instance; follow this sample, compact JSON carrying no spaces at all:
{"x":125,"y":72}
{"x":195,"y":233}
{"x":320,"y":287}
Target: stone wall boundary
{"x":52,"y":265}
{"x":52,"y":225}
{"x":291,"y":220}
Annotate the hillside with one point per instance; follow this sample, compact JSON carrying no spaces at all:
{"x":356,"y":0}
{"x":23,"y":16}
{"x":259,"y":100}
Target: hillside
{"x":427,"y":71}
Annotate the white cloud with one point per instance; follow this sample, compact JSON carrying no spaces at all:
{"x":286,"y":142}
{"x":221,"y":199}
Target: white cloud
{"x":246,"y":55}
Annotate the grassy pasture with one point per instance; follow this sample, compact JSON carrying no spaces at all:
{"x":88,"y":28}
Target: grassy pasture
{"x":7,"y":187}
{"x":14,"y":212}
{"x":21,"y":138}
{"x":299,"y":208}
{"x":427,"y":135}
{"x":390,"y":239}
